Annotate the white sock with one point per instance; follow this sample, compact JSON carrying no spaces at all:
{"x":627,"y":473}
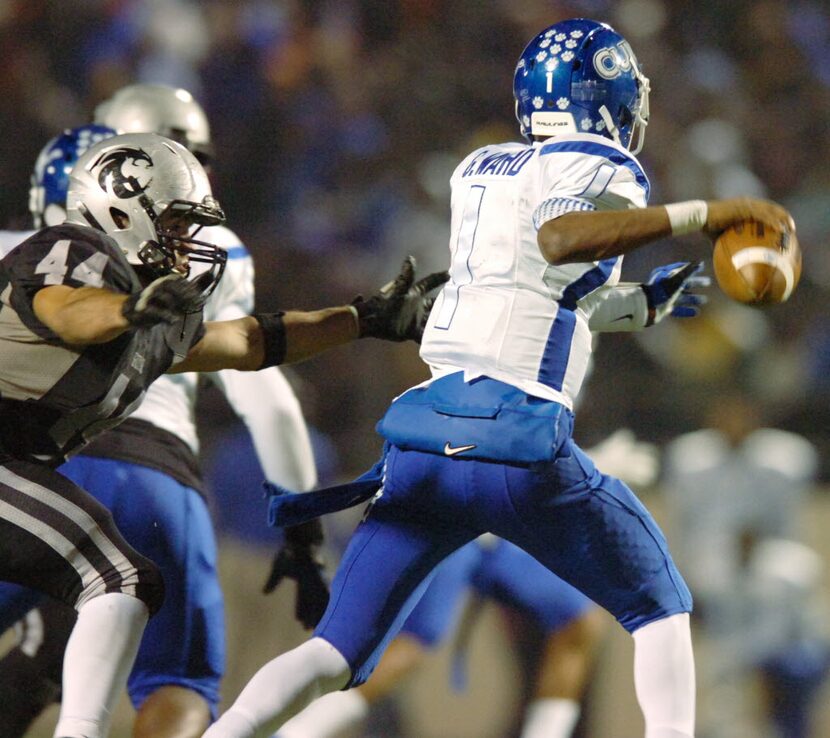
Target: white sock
{"x":664,"y":677}
{"x":550,"y":718}
{"x":327,"y":717}
{"x":282,"y":688}
{"x":99,"y":655}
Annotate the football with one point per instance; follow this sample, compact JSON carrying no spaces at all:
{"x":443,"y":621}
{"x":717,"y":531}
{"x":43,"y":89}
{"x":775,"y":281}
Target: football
{"x":757,"y":265}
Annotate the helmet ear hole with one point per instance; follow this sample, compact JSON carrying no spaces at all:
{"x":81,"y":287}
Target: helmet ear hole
{"x":120,"y":218}
{"x":625,"y":116}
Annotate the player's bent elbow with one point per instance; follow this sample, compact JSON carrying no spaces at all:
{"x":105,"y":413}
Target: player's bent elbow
{"x":554,"y":243}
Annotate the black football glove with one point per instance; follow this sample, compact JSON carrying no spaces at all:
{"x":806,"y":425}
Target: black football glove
{"x":399,"y":310}
{"x":299,"y":559}
{"x":166,"y":300}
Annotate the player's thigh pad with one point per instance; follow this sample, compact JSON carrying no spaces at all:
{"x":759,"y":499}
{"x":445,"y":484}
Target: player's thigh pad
{"x":591,"y":530}
{"x":184,"y":644}
{"x":512,"y":577}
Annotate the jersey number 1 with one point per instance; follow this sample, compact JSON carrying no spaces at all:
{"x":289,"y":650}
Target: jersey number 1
{"x":460,"y":272}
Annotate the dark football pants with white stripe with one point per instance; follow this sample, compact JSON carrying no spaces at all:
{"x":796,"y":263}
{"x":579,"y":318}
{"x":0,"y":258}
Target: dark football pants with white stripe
{"x":56,"y":538}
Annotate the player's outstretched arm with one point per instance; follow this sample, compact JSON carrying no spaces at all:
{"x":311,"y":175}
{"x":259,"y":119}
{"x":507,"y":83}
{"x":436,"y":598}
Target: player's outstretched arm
{"x":87,"y":315}
{"x":594,"y":235}
{"x":267,"y":339}
{"x":394,"y":313}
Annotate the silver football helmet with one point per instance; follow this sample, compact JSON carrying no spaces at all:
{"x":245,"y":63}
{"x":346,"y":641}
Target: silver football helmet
{"x":170,"y":111}
{"x":149,"y":194}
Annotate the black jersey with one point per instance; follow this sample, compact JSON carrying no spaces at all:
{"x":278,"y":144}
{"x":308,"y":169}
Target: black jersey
{"x":55,"y":397}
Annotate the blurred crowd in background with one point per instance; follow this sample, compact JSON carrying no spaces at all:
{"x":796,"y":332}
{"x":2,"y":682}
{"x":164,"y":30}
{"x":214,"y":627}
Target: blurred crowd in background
{"x":337,"y":124}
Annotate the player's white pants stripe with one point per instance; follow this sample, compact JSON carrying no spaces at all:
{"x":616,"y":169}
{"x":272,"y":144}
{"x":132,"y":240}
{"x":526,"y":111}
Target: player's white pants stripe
{"x":57,"y":541}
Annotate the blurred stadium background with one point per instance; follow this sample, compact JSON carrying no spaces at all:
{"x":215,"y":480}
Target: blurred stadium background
{"x":336,"y":125}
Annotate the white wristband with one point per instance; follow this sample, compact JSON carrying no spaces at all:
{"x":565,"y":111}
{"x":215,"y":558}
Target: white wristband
{"x":687,"y":217}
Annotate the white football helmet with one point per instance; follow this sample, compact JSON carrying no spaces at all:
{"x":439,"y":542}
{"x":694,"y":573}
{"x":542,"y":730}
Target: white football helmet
{"x":170,"y":111}
{"x":149,"y":194}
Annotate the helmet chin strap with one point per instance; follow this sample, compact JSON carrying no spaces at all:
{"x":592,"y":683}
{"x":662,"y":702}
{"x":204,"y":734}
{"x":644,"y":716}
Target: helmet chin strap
{"x":609,"y":124}
{"x":522,"y":128}
{"x":642,"y":115}
{"x":640,"y":131}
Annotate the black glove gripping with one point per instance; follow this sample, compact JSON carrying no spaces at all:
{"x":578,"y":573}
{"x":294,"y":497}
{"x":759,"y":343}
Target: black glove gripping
{"x":166,"y":300}
{"x":399,"y":310}
{"x":299,"y":559}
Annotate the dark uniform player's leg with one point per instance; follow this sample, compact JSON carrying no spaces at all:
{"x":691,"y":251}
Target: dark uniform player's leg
{"x":55,"y":538}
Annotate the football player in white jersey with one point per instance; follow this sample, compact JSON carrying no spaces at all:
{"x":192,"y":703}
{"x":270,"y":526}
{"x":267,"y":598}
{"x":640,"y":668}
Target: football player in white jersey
{"x":538,"y":230}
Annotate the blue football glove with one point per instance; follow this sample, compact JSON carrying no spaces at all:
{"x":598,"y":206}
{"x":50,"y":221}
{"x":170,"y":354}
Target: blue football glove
{"x":670,"y":289}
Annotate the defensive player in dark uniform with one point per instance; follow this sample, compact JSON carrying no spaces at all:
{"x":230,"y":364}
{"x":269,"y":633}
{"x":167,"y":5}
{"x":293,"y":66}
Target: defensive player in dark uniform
{"x":91,"y":312}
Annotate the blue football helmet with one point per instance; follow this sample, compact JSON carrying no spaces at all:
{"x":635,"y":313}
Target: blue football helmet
{"x":50,"y":179}
{"x":581,"y":76}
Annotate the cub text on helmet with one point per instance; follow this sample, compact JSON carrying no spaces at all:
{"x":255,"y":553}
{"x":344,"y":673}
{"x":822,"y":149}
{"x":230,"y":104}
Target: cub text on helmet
{"x":148,"y":193}
{"x":50,"y":178}
{"x":169,"y":111}
{"x":581,"y":76}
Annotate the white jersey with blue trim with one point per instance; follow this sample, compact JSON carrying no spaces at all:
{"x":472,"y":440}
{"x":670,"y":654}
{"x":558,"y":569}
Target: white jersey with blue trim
{"x":506,"y":313}
{"x":264,"y":400}
{"x":171,"y":400}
